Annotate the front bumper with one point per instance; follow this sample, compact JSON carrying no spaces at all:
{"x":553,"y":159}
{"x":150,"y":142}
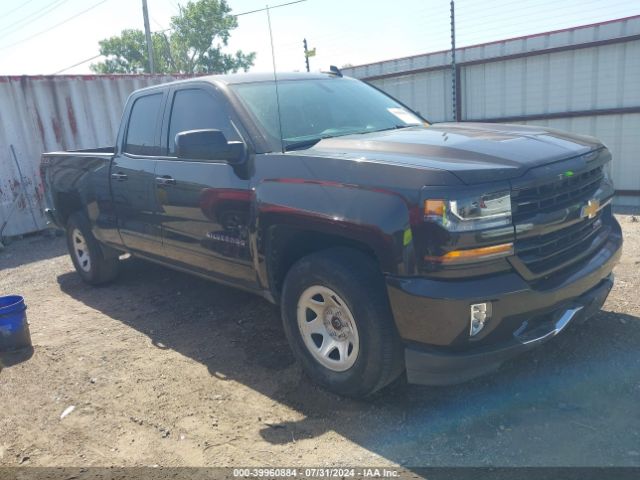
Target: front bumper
{"x":445,"y":368}
{"x":432,"y":316}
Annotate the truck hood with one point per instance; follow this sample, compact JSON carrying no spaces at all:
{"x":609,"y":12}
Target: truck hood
{"x":474,"y":152}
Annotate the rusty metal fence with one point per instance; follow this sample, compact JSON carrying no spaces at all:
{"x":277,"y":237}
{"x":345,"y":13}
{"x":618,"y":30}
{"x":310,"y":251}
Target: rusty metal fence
{"x":46,"y":113}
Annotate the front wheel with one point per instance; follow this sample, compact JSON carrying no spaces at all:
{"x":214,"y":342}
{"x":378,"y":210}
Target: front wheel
{"x":88,"y":257}
{"x":327,"y":328}
{"x":338,"y":322}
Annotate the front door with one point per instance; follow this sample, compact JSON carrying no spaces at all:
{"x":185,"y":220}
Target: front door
{"x":133,"y":177}
{"x":204,"y":206}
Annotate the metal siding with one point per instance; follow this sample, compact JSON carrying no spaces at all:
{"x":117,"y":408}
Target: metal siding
{"x":429,"y":93}
{"x":601,"y":77}
{"x":47,"y":113}
{"x":619,"y":133}
{"x":578,"y":78}
{"x":563,"y":38}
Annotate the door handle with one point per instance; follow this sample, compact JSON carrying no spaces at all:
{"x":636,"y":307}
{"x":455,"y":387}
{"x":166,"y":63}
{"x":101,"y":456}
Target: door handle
{"x":120,"y":177}
{"x":165,"y":180}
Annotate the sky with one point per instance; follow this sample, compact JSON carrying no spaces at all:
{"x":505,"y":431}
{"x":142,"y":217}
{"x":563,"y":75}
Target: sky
{"x":49,"y":36}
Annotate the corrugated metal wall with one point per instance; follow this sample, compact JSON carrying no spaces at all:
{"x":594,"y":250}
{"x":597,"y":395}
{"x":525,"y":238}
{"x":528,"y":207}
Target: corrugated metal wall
{"x":427,"y":92}
{"x":585,"y":80}
{"x":601,"y":77}
{"x":45,"y":113}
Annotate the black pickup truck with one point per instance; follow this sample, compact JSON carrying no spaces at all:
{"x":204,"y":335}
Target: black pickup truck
{"x":391,"y":245}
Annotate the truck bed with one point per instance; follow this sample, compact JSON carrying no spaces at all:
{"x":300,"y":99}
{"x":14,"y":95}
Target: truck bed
{"x":83,"y":152}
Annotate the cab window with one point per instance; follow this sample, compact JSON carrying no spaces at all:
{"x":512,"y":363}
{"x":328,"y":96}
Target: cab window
{"x":195,"y":109}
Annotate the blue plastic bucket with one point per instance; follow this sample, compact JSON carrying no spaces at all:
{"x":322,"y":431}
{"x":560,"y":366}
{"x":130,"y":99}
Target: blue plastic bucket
{"x":14,"y":330}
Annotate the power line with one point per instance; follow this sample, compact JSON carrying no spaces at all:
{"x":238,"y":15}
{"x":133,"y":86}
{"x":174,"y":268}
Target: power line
{"x":528,"y":11}
{"x":17,"y":8}
{"x":157,"y":23}
{"x":175,"y":5}
{"x":526,"y":17}
{"x":76,"y":64}
{"x":267,"y":8}
{"x":96,"y":56}
{"x":558,"y":22}
{"x":160,"y":31}
{"x":18,"y":24}
{"x":54,"y":26}
{"x":518,"y":7}
{"x":397,"y":24}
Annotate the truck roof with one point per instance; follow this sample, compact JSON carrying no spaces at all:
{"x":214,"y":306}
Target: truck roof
{"x":235,"y":78}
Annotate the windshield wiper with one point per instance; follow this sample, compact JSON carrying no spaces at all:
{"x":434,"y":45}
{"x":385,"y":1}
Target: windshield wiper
{"x":395,"y":127}
{"x":309,"y":142}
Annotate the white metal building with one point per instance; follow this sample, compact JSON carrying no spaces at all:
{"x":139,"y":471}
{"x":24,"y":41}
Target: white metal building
{"x":584,"y":79}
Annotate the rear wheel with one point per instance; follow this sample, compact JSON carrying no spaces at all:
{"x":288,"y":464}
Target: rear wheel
{"x":338,"y":322}
{"x":88,"y":258}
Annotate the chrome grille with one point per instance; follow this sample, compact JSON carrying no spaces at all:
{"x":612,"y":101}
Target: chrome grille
{"x":555,"y":195}
{"x":551,"y":252}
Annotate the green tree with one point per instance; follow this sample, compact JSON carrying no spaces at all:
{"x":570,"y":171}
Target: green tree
{"x":193,"y":44}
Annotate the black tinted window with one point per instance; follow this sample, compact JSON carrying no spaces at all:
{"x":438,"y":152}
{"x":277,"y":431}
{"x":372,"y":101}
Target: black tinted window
{"x":196,"y":109}
{"x":141,"y":134}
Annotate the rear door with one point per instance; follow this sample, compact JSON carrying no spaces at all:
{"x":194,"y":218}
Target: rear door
{"x":204,"y":205}
{"x":133,"y":175}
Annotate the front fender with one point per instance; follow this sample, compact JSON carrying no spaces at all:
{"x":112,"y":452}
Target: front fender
{"x":375,"y":218}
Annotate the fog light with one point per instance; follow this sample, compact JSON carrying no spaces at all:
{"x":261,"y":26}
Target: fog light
{"x":480,"y":315}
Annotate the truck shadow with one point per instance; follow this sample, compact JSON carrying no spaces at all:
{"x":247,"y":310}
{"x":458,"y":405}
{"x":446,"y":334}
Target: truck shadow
{"x":32,"y":248}
{"x":528,"y":413}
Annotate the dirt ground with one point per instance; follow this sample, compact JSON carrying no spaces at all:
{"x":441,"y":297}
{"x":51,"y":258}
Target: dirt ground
{"x":168,"y":369}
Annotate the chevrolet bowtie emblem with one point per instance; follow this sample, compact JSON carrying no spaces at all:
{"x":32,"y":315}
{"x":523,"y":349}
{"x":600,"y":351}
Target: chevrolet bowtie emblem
{"x":590,"y":209}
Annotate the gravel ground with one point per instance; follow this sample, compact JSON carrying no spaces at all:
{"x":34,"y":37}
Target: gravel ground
{"x":168,"y":369}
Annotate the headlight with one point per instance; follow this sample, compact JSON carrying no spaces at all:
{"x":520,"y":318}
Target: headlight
{"x":470,"y":213}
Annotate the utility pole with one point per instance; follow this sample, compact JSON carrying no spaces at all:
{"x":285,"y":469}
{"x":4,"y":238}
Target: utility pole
{"x":454,"y":86}
{"x":306,"y":53}
{"x":147,"y":34}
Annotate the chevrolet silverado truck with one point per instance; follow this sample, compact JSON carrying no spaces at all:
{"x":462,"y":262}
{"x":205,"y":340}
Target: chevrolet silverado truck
{"x":393,"y":246}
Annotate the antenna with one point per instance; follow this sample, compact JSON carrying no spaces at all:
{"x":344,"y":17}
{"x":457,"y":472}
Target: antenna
{"x":275,"y":79}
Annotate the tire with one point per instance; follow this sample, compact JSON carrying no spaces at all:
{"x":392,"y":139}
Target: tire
{"x":364,"y":359}
{"x":87,"y":255}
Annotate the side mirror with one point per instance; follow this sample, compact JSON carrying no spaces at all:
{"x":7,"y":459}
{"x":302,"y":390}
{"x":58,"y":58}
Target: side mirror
{"x":208,"y":144}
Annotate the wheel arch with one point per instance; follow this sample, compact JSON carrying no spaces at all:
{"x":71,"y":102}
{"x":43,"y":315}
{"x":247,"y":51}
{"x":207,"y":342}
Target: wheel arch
{"x":286,"y":244}
{"x":296,"y":217}
{"x":66,"y":204}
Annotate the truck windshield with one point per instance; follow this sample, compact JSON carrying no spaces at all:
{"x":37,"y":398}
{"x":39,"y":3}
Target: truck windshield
{"x":314,"y":109}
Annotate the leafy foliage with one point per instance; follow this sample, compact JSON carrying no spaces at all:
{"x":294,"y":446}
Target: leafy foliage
{"x":193,"y":45}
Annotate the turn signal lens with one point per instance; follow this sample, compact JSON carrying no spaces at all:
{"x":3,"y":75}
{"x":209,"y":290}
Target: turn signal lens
{"x":434,"y":208}
{"x":474,"y":212}
{"x":473,"y":254}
